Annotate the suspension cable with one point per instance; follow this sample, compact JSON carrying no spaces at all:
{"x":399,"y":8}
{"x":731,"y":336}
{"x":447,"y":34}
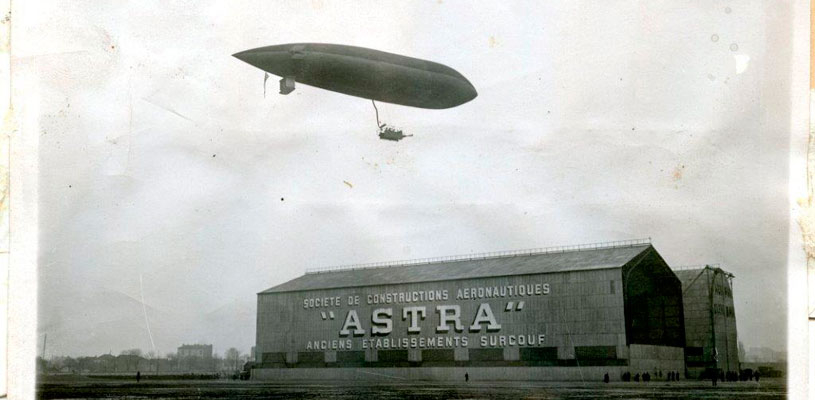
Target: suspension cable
{"x":378,"y":125}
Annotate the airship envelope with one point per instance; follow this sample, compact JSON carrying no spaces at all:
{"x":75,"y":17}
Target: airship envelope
{"x":361,"y":72}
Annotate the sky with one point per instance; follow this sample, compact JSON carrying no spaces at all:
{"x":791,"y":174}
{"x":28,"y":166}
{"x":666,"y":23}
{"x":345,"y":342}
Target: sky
{"x":172,"y":191}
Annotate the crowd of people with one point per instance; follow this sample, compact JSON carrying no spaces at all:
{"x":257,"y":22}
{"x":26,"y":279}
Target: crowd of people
{"x":673,"y":376}
{"x":733,"y":376}
{"x":646,"y":376}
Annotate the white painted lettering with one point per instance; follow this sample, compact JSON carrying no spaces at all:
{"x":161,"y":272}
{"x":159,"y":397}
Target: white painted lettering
{"x":381,"y":324}
{"x":352,"y":321}
{"x":484,"y":314}
{"x":415,"y":313}
{"x":447,"y":315}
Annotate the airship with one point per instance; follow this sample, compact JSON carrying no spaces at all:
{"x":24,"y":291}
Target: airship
{"x":361,"y":72}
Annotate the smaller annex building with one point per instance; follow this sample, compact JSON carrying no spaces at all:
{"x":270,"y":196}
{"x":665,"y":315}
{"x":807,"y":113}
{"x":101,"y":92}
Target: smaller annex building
{"x":562,"y":313}
{"x":711,"y":339}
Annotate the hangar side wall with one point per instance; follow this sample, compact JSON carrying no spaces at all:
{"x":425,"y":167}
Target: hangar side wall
{"x":557,"y":319}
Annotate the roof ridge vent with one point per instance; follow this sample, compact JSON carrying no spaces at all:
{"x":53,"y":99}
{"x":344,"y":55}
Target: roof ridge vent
{"x":486,"y":256}
{"x":694,"y":266}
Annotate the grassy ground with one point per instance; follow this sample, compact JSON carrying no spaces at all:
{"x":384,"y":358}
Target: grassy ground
{"x":82,"y":388}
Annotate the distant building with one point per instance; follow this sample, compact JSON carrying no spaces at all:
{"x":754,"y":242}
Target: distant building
{"x":769,"y":362}
{"x":195,"y":357}
{"x":764,"y":355}
{"x":711,"y":340}
{"x":203,"y":351}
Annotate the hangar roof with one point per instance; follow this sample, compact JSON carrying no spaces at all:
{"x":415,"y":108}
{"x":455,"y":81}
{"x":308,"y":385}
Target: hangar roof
{"x":690,"y":274}
{"x":691,"y":271}
{"x":547,"y":261}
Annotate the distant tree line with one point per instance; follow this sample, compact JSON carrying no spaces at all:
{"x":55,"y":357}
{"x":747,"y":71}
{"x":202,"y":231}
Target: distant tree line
{"x":134,"y":360}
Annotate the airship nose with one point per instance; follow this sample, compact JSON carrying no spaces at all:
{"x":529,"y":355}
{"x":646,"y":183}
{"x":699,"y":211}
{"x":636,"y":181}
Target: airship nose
{"x":273,"y":59}
{"x":243,"y":55}
{"x":469,"y":92}
{"x":252,"y":57}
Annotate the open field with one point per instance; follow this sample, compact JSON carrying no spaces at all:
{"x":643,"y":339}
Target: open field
{"x":86,"y":388}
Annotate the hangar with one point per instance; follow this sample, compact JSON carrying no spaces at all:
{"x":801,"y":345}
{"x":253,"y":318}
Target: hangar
{"x":560,"y":313}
